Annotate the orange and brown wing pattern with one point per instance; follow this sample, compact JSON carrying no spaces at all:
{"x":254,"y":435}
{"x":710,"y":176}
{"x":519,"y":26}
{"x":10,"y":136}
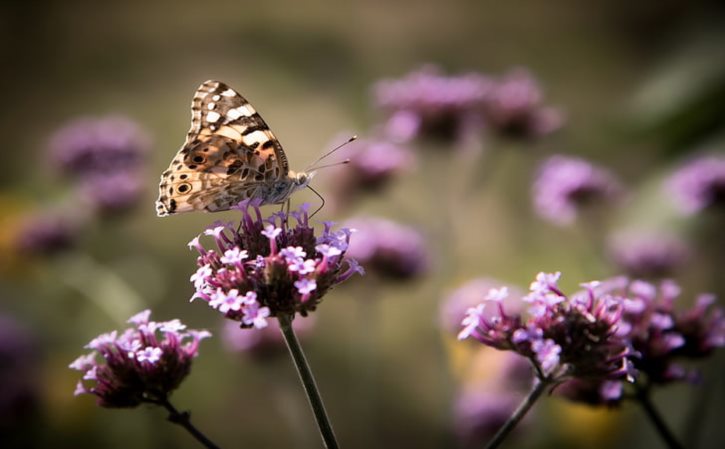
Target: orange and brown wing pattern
{"x":229,"y":155}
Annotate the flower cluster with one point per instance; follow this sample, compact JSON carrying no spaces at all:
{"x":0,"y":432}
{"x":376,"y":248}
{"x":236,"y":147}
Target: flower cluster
{"x":373,"y":164}
{"x":563,"y":337}
{"x":143,"y":364}
{"x":565,"y":185}
{"x":700,"y":184}
{"x":429,"y":103}
{"x":105,"y":157}
{"x":514,"y":107}
{"x":456,"y":303}
{"x":388,"y":248}
{"x":268,"y":267}
{"x":659,"y":334}
{"x":648,"y":255}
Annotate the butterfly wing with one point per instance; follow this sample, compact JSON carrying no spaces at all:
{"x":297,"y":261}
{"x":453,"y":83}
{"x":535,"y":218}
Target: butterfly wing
{"x":229,"y":155}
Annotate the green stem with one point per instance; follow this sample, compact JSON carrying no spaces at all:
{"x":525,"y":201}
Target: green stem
{"x":519,"y":413}
{"x":654,"y":416}
{"x":308,"y":382}
{"x":184,"y":420}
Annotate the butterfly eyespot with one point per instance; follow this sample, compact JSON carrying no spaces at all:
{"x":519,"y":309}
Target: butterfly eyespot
{"x":183,"y":176}
{"x":198,"y":159}
{"x":183,"y":187}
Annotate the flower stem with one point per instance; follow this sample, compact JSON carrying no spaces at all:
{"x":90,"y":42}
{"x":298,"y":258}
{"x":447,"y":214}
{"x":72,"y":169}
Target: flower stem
{"x":519,"y":413}
{"x":308,"y":382}
{"x":184,"y":420}
{"x":654,"y":416}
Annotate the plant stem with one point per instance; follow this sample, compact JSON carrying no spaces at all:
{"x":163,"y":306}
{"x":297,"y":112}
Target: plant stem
{"x":519,"y":413}
{"x":308,"y":382}
{"x":654,"y":416}
{"x":184,"y":420}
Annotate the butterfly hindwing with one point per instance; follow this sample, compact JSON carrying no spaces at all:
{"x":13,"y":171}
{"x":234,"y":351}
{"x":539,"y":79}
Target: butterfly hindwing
{"x":228,"y":154}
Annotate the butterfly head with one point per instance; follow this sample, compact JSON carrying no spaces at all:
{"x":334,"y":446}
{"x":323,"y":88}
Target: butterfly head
{"x":301,"y":179}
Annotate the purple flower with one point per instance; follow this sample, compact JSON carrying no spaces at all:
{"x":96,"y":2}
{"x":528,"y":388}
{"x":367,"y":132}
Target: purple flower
{"x":565,"y":185}
{"x":479,"y":414}
{"x":699,"y":184}
{"x":99,"y":145}
{"x":388,"y":248}
{"x":262,"y":342}
{"x":47,"y":233}
{"x":563,"y":338}
{"x":427,"y":103}
{"x":660,"y":335}
{"x":456,"y":303}
{"x":262,"y":268}
{"x":373,"y":165}
{"x":648,"y":255}
{"x":143,"y":364}
{"x":514,"y":107}
{"x":112,"y":193}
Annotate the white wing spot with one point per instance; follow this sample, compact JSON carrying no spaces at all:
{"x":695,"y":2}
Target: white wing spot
{"x":256,"y":136}
{"x":210,"y":106}
{"x":229,"y":93}
{"x":212,"y":116}
{"x":216,"y":97}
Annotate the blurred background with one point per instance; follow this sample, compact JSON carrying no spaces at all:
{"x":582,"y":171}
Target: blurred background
{"x":638,"y":88}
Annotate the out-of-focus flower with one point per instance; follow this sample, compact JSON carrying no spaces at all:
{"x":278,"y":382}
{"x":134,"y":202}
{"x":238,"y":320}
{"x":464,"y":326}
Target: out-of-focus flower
{"x":455,"y":305}
{"x":99,"y":145}
{"x":514,"y":108}
{"x":494,"y":385}
{"x":427,"y":103}
{"x":699,"y":184}
{"x":648,"y":255}
{"x":373,"y":164}
{"x":387,"y":248}
{"x":143,"y":364}
{"x":659,"y":334}
{"x":46,"y":233}
{"x":19,"y":396}
{"x":268,"y":267}
{"x":565,"y":185}
{"x":479,"y":414}
{"x":563,"y":337}
{"x":264,"y":342}
{"x":113,"y":193}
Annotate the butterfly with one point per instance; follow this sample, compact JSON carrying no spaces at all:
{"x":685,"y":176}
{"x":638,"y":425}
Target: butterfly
{"x":230,"y":155}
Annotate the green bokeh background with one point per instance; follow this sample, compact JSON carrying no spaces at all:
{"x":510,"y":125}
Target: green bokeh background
{"x":642,"y":85}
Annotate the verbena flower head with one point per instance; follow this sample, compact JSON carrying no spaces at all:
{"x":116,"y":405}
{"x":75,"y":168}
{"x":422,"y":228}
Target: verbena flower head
{"x":387,"y":248}
{"x":514,"y":107}
{"x":648,"y":255}
{"x":479,"y":414}
{"x":700,"y":184}
{"x":46,"y":233}
{"x":262,"y":268}
{"x":112,"y":193}
{"x":455,"y":305}
{"x":661,"y":335}
{"x":264,"y":342}
{"x":563,"y":337}
{"x":144,"y":363}
{"x":427,"y":103}
{"x":565,"y":185}
{"x":99,"y":145}
{"x":373,"y":164}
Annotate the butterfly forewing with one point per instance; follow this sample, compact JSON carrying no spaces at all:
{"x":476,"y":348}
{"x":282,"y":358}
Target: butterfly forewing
{"x":229,"y":155}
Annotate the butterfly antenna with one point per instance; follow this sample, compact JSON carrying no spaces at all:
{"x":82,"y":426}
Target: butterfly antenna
{"x":312,"y":165}
{"x":346,"y":161}
{"x":320,"y":197}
